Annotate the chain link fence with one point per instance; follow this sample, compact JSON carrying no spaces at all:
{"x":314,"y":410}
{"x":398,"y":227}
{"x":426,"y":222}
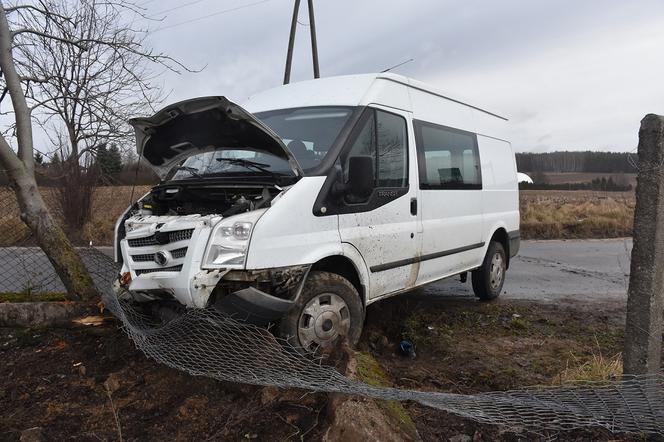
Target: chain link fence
{"x":205,"y":342}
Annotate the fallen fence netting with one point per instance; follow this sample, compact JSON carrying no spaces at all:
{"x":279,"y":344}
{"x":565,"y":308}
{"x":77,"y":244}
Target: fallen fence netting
{"x":205,"y":342}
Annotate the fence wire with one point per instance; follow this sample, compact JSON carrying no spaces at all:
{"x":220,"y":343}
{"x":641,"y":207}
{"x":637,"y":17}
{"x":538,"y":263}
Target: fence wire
{"x":204,"y":342}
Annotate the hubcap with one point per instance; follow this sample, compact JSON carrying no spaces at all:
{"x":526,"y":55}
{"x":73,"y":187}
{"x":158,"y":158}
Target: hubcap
{"x":323,"y":319}
{"x":496,"y":271}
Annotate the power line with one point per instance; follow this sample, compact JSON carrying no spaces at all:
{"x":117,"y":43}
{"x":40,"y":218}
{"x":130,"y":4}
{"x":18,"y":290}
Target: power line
{"x":225,"y":11}
{"x":184,"y":5}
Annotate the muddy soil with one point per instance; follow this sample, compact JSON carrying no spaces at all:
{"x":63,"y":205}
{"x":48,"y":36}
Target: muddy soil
{"x":70,"y":381}
{"x":92,"y":384}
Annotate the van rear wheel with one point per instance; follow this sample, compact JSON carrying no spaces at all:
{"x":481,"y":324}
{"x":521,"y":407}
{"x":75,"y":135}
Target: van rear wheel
{"x":488,"y":280}
{"x":328,"y":309}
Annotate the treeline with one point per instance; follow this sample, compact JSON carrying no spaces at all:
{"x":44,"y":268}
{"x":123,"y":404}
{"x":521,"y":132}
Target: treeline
{"x":565,"y":161}
{"x":602,"y":184}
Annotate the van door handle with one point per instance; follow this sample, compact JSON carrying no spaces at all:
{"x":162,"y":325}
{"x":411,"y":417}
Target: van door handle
{"x":413,"y":206}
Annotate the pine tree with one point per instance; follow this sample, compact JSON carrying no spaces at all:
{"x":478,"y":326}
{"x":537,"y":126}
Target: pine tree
{"x":109,"y":160}
{"x":39,"y":158}
{"x":55,"y":159}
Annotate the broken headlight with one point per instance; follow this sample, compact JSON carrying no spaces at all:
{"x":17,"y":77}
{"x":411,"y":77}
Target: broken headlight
{"x":229,"y":241}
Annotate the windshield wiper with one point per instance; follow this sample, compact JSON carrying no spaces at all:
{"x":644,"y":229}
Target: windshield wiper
{"x":191,"y":170}
{"x":249,"y":164}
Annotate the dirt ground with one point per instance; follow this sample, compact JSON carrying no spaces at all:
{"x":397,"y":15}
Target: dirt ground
{"x":92,"y":384}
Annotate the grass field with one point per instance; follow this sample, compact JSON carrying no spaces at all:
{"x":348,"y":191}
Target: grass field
{"x":108,"y":204}
{"x":551,"y":214}
{"x":545,"y":214}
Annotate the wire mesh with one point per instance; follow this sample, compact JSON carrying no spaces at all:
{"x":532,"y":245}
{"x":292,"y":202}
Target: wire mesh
{"x":205,"y":342}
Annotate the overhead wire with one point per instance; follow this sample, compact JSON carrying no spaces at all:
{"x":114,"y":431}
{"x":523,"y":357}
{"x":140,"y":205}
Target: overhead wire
{"x":214,"y":14}
{"x":184,"y":5}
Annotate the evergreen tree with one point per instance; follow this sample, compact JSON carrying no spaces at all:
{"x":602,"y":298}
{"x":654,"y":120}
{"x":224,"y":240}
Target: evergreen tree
{"x":55,"y":159}
{"x":109,"y":160}
{"x":39,"y":158}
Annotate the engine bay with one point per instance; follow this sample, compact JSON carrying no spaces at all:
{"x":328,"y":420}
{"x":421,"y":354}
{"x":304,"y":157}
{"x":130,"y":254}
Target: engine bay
{"x":224,"y":200}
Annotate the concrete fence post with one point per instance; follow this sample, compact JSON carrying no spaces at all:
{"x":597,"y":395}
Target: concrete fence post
{"x":645,"y":302}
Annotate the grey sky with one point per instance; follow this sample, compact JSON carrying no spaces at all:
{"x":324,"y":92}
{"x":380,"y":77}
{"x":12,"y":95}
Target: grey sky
{"x":569,"y":74}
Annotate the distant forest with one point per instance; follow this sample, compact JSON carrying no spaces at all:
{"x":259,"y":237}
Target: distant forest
{"x":600,"y":162}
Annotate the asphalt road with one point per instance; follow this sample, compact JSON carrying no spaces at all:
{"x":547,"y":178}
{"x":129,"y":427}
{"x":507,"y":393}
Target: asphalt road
{"x":587,"y":270}
{"x":581,"y":270}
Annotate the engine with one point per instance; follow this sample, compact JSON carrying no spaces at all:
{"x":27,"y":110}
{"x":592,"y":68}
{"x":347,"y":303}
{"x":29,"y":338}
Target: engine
{"x":169,"y":200}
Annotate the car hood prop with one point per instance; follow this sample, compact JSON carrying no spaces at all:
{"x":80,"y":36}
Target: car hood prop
{"x":201,"y":125}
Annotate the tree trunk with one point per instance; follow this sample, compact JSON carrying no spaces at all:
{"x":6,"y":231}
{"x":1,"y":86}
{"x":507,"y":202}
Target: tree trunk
{"x":19,"y":167}
{"x":51,"y":238}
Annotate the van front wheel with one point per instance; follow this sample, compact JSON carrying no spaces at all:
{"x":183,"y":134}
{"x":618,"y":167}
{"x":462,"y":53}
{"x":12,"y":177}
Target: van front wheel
{"x":328,"y":309}
{"x":488,"y":280}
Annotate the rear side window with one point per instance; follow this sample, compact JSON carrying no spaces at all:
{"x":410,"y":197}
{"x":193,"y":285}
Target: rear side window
{"x":383,"y":137}
{"x":448,"y":158}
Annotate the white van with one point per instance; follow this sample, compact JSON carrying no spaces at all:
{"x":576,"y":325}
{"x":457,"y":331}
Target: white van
{"x":330,"y":195}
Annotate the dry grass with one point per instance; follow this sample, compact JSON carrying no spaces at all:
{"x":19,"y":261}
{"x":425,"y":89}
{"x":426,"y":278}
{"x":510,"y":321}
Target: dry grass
{"x":108,"y":204}
{"x":576,"y":214}
{"x":596,"y":369}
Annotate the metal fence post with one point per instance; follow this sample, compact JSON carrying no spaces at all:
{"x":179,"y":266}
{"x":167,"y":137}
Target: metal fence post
{"x":645,"y":302}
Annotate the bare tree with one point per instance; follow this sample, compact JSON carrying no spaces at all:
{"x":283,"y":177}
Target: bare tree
{"x":77,"y":67}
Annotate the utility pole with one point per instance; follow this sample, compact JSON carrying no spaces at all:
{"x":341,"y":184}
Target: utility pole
{"x":314,"y":45}
{"x":291,"y":40}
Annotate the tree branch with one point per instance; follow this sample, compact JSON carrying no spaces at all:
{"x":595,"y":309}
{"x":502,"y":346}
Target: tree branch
{"x":36,"y":9}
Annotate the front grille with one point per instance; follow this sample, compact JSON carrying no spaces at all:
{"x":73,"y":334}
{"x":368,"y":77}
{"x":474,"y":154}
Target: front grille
{"x":160,"y":269}
{"x":179,"y":253}
{"x":161,"y":238}
{"x":149,"y":257}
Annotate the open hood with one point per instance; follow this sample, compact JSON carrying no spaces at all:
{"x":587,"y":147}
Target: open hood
{"x":200,"y":125}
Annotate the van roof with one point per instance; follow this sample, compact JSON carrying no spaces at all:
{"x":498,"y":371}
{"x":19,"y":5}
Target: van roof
{"x":346,"y":90}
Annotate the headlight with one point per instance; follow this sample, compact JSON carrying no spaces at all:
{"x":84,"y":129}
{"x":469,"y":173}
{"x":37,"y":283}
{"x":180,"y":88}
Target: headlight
{"x":229,"y":241}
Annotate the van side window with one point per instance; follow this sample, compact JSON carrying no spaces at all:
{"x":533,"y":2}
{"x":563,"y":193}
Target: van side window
{"x":384,"y":138}
{"x":392,"y":152}
{"x":448,"y":158}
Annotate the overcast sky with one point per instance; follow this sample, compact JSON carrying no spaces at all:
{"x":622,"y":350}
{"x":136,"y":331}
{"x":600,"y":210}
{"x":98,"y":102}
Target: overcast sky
{"x":569,"y":74}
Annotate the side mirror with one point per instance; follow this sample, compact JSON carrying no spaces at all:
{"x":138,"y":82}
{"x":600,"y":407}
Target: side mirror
{"x":361,"y":175}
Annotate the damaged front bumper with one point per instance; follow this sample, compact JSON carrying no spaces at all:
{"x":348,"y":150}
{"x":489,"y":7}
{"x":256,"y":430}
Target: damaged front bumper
{"x":259,"y":296}
{"x":256,"y":296}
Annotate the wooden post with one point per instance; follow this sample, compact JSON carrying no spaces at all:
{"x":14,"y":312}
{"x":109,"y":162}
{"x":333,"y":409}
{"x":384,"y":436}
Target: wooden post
{"x":645,"y":302}
{"x":314,"y":44}
{"x":291,"y":42}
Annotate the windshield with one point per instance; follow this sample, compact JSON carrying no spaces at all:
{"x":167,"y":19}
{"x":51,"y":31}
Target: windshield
{"x":221,"y":162}
{"x":307,"y":132}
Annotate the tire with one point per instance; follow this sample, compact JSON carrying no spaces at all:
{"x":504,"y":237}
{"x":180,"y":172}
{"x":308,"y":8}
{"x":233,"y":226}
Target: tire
{"x":328,"y":308}
{"x":488,"y":280}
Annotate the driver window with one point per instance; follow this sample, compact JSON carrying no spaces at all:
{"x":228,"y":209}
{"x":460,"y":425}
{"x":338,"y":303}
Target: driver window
{"x":383,"y":137}
{"x":364,"y":145}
